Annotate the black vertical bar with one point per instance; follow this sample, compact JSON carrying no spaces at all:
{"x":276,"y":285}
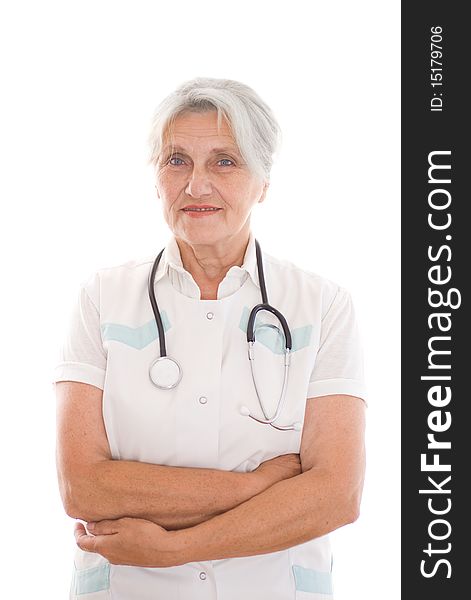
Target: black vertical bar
{"x":435,"y":260}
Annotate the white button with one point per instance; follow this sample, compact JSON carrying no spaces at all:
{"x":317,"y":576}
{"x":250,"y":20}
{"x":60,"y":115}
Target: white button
{"x":203,"y":400}
{"x":202,"y":575}
{"x":209,"y":315}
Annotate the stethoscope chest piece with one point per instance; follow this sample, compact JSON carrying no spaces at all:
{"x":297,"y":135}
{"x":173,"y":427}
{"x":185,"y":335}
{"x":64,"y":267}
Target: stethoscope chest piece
{"x":165,"y":373}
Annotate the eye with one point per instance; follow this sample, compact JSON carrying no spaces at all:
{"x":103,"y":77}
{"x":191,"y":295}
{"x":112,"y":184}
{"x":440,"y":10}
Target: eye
{"x":176,"y":161}
{"x":226,"y":162}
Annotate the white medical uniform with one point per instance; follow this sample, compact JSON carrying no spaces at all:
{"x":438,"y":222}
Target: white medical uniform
{"x":112,"y":341}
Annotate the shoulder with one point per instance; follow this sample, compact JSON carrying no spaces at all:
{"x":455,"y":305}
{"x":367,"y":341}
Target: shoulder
{"x":112,"y":279}
{"x":305,"y":284}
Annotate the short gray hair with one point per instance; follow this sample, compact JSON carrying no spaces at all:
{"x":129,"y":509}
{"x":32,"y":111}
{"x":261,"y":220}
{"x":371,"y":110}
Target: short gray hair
{"x":255,"y":129}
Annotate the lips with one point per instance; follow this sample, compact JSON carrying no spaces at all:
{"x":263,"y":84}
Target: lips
{"x":200,"y":208}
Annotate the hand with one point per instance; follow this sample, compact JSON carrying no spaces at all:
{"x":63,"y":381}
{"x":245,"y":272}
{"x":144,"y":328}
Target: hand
{"x":276,"y":469}
{"x":134,"y":542}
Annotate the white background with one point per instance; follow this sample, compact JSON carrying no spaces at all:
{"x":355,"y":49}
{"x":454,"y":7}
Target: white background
{"x":80,"y":82}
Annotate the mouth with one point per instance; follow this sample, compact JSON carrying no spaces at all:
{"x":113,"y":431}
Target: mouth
{"x":200,"y":210}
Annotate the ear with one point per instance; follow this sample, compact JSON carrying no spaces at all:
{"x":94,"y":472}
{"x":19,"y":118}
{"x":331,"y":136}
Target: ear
{"x":156,"y":185}
{"x":264,"y":191}
{"x":156,"y":179}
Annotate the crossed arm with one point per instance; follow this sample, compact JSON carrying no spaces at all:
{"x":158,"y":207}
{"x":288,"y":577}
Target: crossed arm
{"x":152,"y":515}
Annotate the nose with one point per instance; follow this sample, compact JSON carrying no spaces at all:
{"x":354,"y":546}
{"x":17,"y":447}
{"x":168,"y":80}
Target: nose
{"x":199,"y":184}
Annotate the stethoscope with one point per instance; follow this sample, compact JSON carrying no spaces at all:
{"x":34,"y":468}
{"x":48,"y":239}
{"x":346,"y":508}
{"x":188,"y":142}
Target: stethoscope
{"x":166,"y":373}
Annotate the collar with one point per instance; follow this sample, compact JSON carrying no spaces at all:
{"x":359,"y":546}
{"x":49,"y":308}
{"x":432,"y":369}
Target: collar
{"x":171,"y":259}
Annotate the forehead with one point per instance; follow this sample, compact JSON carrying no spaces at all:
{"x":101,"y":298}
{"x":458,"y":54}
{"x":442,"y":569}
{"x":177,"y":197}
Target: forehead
{"x":201,"y":130}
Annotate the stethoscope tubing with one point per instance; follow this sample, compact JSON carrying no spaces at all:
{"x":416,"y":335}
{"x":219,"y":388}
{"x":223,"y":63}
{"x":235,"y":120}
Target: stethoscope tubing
{"x":264,"y":305}
{"x":155,"y":308}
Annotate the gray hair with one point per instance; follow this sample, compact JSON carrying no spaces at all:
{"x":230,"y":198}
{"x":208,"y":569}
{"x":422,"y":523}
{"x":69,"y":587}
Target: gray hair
{"x":255,"y":129}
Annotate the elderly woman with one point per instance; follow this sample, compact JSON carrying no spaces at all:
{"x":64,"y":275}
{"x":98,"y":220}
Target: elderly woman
{"x":210,"y":401}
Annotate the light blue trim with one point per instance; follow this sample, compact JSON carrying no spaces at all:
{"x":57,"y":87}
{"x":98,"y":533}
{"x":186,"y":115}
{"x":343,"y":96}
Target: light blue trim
{"x":136,"y":337}
{"x":274,"y":340}
{"x":309,"y":580}
{"x":92,"y":580}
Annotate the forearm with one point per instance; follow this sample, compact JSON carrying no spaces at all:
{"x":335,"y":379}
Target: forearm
{"x":173,"y":497}
{"x":288,"y":513}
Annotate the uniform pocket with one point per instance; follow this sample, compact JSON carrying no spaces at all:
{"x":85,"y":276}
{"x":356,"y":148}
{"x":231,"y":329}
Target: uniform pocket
{"x":90,"y":578}
{"x":311,"y":584}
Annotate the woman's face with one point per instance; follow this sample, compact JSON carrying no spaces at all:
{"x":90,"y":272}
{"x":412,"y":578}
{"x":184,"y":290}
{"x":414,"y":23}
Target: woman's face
{"x":201,"y":167}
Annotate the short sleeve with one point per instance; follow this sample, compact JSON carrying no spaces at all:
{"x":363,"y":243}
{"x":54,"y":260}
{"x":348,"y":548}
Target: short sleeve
{"x":82,"y":356}
{"x":338,"y":368}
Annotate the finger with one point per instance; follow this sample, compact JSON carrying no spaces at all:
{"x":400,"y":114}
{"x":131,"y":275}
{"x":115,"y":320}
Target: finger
{"x":106,"y":527}
{"x":84,"y":541}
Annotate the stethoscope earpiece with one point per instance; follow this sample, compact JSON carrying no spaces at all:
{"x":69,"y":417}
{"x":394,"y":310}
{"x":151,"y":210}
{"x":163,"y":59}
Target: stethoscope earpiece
{"x":297,"y":426}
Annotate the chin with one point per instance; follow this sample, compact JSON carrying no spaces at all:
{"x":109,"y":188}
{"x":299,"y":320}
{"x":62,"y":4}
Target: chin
{"x":206,"y":238}
{"x":203,"y":241}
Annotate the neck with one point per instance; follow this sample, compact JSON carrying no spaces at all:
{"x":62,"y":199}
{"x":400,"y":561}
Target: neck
{"x":208,"y":264}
